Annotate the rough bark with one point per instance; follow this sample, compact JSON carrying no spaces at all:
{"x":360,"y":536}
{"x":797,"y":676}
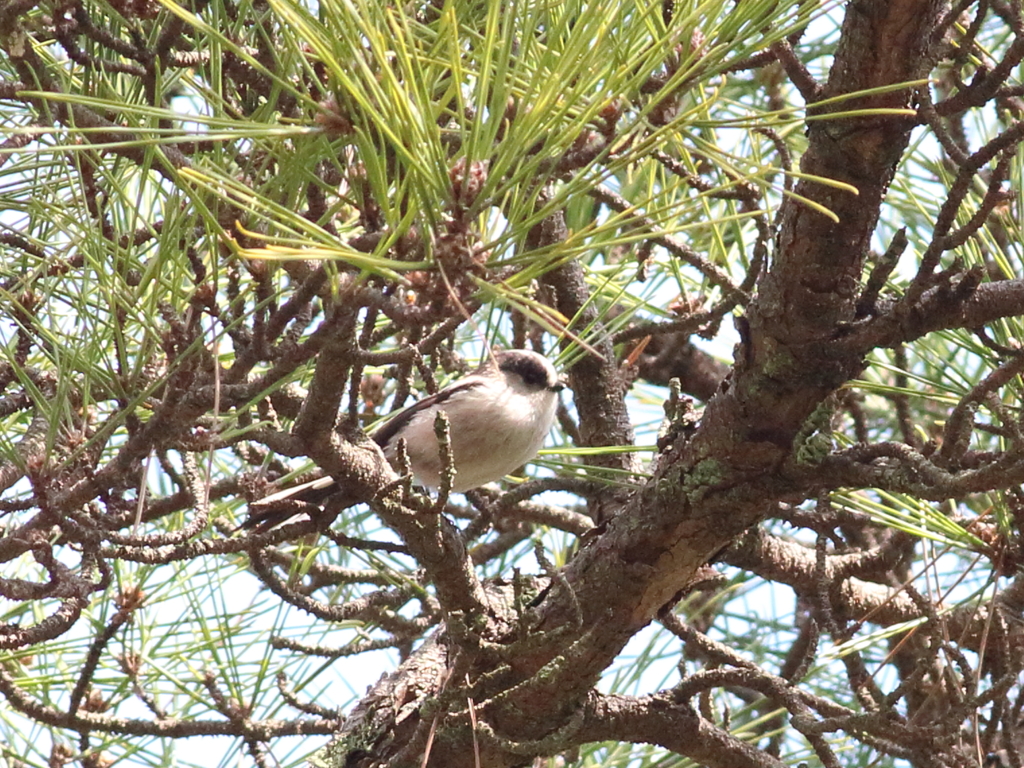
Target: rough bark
{"x":711,"y":488}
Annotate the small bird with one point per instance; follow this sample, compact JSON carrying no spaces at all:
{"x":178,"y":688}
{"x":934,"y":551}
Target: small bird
{"x":498,"y":416}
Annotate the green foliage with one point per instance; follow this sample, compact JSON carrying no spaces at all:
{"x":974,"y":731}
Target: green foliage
{"x":186,"y":175}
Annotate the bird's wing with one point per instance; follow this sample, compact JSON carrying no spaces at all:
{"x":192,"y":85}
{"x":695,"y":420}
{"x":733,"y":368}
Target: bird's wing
{"x":393,"y":426}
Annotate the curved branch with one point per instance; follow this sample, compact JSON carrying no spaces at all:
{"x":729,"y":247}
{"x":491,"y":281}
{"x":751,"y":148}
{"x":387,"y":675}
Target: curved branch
{"x":659,"y":720}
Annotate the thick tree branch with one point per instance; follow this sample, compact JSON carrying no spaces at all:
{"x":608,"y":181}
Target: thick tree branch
{"x":659,"y":720}
{"x":716,"y":485}
{"x":939,"y":308}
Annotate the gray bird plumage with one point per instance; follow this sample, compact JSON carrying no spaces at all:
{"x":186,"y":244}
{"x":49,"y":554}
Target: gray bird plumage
{"x":499,"y":416}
